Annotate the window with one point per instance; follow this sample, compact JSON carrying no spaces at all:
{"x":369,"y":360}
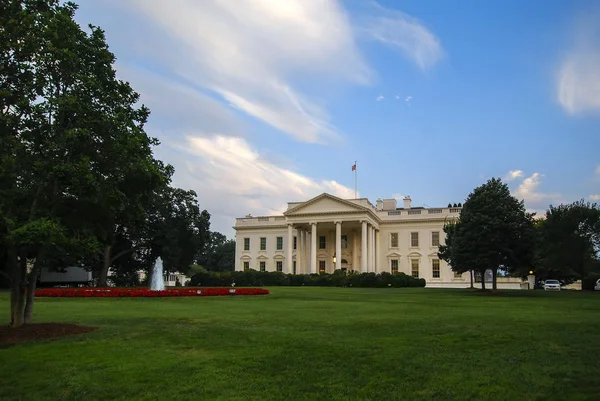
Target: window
{"x":394,"y":240}
{"x":322,"y":265}
{"x":246,"y":244}
{"x":457,"y":275}
{"x":414,"y":239}
{"x":279,"y":266}
{"x":295,"y":242}
{"x":279,"y":243}
{"x":294,"y":266}
{"x":263,"y":243}
{"x":344,"y":241}
{"x":322,"y":242}
{"x":414,"y":267}
{"x":246,"y":266}
{"x":394,"y":266}
{"x":263,"y":266}
{"x":435,"y":268}
{"x":435,"y":238}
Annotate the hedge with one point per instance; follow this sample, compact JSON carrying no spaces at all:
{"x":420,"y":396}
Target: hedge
{"x":252,"y":278}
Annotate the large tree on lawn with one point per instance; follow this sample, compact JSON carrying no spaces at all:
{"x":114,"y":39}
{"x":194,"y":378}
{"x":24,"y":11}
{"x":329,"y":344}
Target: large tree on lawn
{"x":72,"y":143}
{"x":570,"y":241}
{"x":493,"y":231}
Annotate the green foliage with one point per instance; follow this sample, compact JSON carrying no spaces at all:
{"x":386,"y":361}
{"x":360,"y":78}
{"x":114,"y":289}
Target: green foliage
{"x":569,"y":241}
{"x":336,"y":279}
{"x":493,"y":231}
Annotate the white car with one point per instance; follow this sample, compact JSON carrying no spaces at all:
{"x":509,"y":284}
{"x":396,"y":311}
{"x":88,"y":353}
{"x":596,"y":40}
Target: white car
{"x":552,"y":285}
{"x":597,"y":286}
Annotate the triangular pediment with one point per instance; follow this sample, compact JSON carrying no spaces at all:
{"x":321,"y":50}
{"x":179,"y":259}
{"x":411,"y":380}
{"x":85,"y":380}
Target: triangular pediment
{"x":325,"y":203}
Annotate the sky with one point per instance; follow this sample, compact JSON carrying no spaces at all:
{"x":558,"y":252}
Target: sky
{"x":262,"y":102}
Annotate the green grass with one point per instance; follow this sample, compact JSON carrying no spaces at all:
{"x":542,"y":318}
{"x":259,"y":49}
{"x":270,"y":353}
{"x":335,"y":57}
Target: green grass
{"x":315,"y":343}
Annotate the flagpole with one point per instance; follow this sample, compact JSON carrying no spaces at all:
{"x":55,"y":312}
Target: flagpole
{"x":355,"y":180}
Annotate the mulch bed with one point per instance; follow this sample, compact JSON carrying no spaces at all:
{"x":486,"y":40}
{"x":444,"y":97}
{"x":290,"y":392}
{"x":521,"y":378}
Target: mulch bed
{"x":40,"y":331}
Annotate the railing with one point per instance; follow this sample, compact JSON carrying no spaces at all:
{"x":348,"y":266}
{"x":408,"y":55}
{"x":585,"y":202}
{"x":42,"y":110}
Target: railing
{"x":434,"y":211}
{"x":455,"y":210}
{"x":263,"y":219}
{"x":414,"y":212}
{"x":395,"y":213}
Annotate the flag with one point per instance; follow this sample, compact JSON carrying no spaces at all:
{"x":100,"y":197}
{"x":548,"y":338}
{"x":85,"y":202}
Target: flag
{"x":354,"y":167}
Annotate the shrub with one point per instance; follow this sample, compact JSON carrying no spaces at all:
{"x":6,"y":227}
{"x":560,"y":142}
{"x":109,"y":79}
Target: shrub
{"x":338,"y":278}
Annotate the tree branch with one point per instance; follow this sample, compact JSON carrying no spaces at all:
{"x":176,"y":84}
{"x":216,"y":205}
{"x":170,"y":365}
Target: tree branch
{"x":125,"y":252}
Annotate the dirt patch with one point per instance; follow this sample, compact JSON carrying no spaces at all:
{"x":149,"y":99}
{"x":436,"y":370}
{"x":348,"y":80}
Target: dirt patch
{"x":40,"y":331}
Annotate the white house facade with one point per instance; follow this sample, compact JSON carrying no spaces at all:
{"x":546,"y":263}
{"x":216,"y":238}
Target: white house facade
{"x":328,"y":233}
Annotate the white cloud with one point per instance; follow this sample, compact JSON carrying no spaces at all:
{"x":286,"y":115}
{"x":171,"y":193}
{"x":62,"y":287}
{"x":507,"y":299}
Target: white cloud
{"x":237,"y":180}
{"x":578,"y":83}
{"x":528,"y":190}
{"x":398,"y":196}
{"x":594,"y":198}
{"x":251,"y":54}
{"x":403,"y":32}
{"x":513,"y":175}
{"x":408,"y":99}
{"x":397,"y":97}
{"x":379,"y":98}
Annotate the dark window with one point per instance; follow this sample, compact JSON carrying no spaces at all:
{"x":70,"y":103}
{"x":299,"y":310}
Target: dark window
{"x":246,"y":244}
{"x":279,"y":243}
{"x":322,"y":242}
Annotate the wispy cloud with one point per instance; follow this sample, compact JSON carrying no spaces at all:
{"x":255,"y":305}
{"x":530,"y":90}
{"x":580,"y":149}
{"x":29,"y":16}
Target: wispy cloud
{"x":578,"y":82}
{"x":402,"y":32}
{"x":251,"y":54}
{"x":238,"y":179}
{"x":379,"y":98}
{"x":594,"y":198}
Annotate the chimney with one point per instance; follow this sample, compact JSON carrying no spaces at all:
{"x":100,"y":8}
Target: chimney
{"x":379,"y":204}
{"x":407,"y":202}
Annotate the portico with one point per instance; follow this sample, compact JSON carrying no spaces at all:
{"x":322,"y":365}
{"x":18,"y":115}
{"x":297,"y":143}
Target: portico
{"x":330,"y":231}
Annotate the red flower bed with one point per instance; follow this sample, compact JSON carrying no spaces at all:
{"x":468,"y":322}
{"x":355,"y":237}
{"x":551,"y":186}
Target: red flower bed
{"x":87,"y":292}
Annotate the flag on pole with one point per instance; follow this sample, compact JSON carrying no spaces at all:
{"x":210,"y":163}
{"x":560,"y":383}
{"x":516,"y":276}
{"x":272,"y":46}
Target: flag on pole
{"x":354,"y":169}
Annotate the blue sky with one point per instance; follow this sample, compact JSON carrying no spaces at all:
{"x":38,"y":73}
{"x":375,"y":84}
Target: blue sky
{"x":261,"y":102}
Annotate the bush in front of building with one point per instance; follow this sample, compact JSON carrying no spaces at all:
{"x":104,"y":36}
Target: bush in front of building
{"x":253,"y":278}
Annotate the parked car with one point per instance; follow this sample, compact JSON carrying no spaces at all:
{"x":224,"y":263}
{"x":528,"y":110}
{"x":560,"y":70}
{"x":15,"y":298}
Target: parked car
{"x":597,"y":286}
{"x":552,"y":285}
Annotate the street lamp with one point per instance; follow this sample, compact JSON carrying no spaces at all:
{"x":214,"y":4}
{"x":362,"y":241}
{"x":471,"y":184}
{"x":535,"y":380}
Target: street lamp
{"x":334,"y":258}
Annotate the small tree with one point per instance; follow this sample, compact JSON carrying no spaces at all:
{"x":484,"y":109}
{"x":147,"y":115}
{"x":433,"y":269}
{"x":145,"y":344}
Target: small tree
{"x":449,"y":205}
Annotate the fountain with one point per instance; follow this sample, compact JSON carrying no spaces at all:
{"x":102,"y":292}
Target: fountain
{"x":157,"y":283}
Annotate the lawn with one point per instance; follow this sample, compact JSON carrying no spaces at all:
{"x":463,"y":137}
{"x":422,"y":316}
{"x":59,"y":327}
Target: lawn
{"x":314,"y":343}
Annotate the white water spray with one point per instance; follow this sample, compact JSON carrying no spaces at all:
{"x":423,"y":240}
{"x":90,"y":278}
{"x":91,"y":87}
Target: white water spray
{"x":157,"y":283}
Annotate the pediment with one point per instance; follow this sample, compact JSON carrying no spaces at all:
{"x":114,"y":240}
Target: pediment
{"x":325,"y":203}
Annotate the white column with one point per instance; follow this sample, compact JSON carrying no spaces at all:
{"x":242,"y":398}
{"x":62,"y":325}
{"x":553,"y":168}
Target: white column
{"x":338,"y":245}
{"x":313,"y":248}
{"x":307,"y":253}
{"x":290,"y":249}
{"x":355,"y":251}
{"x":363,"y":255}
{"x":377,"y":239}
{"x":300,"y":256}
{"x":371,"y":247}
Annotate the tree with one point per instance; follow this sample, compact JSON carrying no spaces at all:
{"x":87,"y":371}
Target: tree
{"x":493,"y":230}
{"x":72,"y":144}
{"x":569,"y":241}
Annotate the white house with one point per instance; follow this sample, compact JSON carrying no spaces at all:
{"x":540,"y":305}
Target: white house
{"x":327,"y":233}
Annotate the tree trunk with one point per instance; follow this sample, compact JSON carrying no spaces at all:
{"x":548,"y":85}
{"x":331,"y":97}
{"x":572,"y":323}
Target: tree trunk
{"x":32,"y":284}
{"x":494,"y":275}
{"x":482,"y":279}
{"x":471,"y":276}
{"x":103,"y":276}
{"x":18,"y":287}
